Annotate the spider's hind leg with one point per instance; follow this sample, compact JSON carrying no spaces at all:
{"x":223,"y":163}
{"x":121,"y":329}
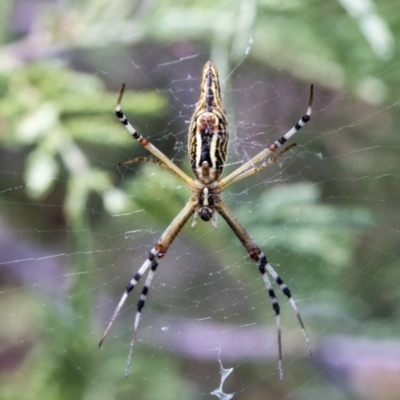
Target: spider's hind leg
{"x":288,"y":294}
{"x":140,"y":305}
{"x":262,"y":262}
{"x":150,"y":262}
{"x":265,"y":268}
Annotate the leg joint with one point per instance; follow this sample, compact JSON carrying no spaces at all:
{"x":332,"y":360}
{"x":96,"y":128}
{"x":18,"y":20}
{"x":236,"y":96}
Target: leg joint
{"x":153,"y":260}
{"x":262,"y":262}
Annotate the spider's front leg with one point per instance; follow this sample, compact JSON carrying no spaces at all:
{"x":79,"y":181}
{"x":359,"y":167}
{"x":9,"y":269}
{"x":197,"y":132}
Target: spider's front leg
{"x":157,"y":252}
{"x":250,"y":167}
{"x":163,"y":160}
{"x":265,"y":268}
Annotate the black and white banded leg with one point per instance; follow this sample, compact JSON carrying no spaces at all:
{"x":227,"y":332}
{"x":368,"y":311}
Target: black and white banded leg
{"x":150,"y":262}
{"x":265,"y":268}
{"x":140,"y":305}
{"x":146,"y":143}
{"x":275,"y":305}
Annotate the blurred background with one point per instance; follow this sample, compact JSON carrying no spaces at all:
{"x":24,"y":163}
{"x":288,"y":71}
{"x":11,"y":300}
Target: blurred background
{"x":75,"y":226}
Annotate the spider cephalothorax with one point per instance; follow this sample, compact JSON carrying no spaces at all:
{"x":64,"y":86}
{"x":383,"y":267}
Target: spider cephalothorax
{"x":206,"y":204}
{"x":207,"y":147}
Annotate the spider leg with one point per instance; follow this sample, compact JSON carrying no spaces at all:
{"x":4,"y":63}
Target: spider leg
{"x":140,"y":305}
{"x":194,"y":222}
{"x":146,"y":144}
{"x":132,"y":283}
{"x":145,"y":159}
{"x":276,"y":308}
{"x":150,"y":160}
{"x":227,"y":181}
{"x":264,"y":266}
{"x":157,"y":252}
{"x":261,"y":166}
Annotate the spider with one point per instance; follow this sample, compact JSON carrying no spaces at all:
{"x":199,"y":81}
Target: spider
{"x":207,"y":148}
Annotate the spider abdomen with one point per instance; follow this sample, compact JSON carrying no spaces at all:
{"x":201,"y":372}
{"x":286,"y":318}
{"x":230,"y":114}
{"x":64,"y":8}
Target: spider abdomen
{"x":208,"y":152}
{"x":208,"y":131}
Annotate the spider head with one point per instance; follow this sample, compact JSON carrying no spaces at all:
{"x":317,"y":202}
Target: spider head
{"x":206,"y":200}
{"x":206,"y":213}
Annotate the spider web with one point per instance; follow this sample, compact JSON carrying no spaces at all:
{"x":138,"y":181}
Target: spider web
{"x":75,"y":226}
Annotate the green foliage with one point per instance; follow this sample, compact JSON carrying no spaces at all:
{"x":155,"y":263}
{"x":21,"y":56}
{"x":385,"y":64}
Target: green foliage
{"x":49,"y":108}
